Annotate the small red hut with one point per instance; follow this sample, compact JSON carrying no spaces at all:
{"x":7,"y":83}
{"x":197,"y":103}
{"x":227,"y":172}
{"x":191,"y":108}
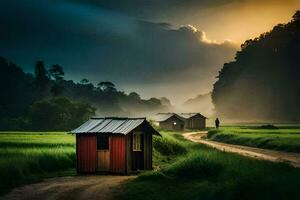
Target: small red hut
{"x":118,"y":145}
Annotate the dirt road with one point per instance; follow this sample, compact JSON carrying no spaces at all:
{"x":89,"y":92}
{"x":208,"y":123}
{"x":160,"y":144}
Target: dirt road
{"x":71,"y":188}
{"x":263,"y":154}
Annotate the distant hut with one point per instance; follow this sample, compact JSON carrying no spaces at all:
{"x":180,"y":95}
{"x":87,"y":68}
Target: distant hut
{"x":118,"y":145}
{"x":193,"y":120}
{"x":169,"y":121}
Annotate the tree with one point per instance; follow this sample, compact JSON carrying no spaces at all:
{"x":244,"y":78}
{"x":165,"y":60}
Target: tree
{"x":154,"y":101}
{"x":41,"y":81}
{"x":263,"y":83}
{"x":84,"y":81}
{"x":58,"y":114}
{"x":296,"y":16}
{"x":56,"y":72}
{"x":106,"y":86}
{"x":56,"y":89}
{"x":40,"y":71}
{"x":135,"y":96}
{"x":27,"y":101}
{"x":17,"y":94}
{"x":165,"y":101}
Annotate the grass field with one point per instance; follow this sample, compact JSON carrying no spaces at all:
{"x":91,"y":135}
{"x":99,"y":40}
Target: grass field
{"x":30,"y":156}
{"x":284,"y":138}
{"x":199,"y":172}
{"x":183,"y":170}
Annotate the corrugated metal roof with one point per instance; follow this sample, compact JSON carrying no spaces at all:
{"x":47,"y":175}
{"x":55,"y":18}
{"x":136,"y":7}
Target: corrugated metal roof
{"x":160,"y":117}
{"x":110,"y":125}
{"x":87,"y":126}
{"x":189,"y":115}
{"x":100,"y":125}
{"x":129,"y":126}
{"x":113,"y":125}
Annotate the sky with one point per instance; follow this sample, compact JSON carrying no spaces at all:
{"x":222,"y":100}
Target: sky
{"x":158,"y":48}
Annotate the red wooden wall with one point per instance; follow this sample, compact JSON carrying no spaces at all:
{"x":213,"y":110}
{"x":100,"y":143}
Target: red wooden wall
{"x":118,"y":153}
{"x":147,"y":151}
{"x":86,"y":151}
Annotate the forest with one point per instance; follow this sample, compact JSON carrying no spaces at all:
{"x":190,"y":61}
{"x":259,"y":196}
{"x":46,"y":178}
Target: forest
{"x":46,"y":101}
{"x":263,"y":83}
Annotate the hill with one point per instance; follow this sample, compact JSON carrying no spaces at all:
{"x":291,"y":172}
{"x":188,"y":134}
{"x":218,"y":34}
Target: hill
{"x":263,"y":83}
{"x":48,"y":95}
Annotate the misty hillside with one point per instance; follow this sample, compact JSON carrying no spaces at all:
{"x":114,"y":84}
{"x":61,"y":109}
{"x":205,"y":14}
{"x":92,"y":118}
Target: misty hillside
{"x":201,"y":103}
{"x":47,"y":95}
{"x":263,"y":83}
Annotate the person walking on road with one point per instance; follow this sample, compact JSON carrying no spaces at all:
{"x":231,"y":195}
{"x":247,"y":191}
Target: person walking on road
{"x":217,"y":123}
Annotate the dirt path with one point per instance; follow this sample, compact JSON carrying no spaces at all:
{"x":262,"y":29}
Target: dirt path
{"x":71,"y":188}
{"x":263,"y":154}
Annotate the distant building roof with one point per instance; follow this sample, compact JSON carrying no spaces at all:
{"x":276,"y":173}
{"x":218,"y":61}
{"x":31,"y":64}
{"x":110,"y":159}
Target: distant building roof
{"x":112,"y":125}
{"x":189,"y":115}
{"x":160,"y":117}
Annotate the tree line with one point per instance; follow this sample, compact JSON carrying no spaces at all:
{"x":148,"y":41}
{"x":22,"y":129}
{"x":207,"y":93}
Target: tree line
{"x":263,"y":83}
{"x":44,"y":100}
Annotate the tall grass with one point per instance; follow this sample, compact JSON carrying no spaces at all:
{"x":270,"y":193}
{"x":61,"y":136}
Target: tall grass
{"x":30,"y":156}
{"x":277,"y":139}
{"x":168,"y":146}
{"x":166,"y":149}
{"x":195,"y":165}
{"x":208,"y":174}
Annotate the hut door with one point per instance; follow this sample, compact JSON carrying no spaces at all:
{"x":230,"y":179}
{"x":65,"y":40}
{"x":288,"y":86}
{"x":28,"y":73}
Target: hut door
{"x":103,"y":156}
{"x":137,"y":151}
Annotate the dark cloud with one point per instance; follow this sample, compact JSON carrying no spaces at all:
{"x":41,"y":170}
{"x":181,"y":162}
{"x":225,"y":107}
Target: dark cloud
{"x":168,"y":9}
{"x":154,"y":8}
{"x":100,"y":44}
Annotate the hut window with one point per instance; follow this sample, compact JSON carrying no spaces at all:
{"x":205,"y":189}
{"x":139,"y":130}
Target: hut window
{"x":102,"y":142}
{"x":136,"y":142}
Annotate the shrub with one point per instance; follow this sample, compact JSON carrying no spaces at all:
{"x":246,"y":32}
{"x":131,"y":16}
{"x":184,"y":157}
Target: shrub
{"x":211,"y":133}
{"x":168,"y":146}
{"x":196,"y":165}
{"x":152,"y":176}
{"x":268,"y":126}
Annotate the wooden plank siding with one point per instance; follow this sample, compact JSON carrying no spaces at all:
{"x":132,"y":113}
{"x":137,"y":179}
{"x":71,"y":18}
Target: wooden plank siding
{"x":103,"y":160}
{"x":147,"y":151}
{"x":86,"y":153}
{"x":118,"y":153}
{"x":137,"y":157}
{"x":169,"y":124}
{"x":195,"y":122}
{"x":119,"y":158}
{"x":128,"y":153}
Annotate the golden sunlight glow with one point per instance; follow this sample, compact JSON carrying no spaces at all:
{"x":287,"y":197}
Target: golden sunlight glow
{"x":244,"y":20}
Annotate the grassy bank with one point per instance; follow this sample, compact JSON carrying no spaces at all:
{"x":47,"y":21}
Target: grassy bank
{"x":283,"y":138}
{"x":199,"y":172}
{"x":30,"y":156}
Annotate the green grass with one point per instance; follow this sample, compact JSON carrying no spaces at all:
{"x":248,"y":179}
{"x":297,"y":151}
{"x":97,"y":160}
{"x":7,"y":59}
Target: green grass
{"x":166,"y":149}
{"x":27,"y":157}
{"x":283,"y":138}
{"x":183,"y":170}
{"x":204,"y":173}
